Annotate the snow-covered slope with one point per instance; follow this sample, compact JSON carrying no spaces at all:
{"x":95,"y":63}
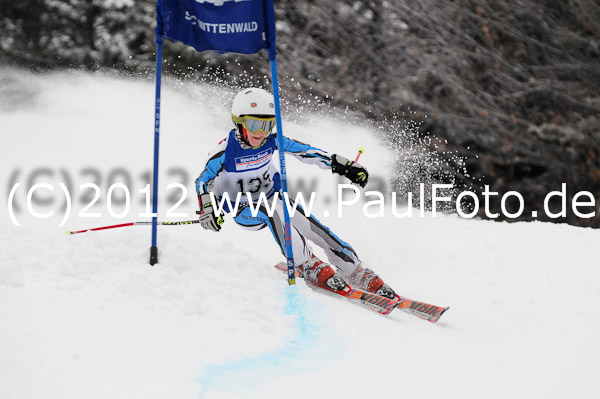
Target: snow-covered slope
{"x":84,"y":316}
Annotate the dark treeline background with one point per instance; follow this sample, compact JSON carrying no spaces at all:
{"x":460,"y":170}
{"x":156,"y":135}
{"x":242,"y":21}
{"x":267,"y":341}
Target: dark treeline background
{"x":509,"y":86}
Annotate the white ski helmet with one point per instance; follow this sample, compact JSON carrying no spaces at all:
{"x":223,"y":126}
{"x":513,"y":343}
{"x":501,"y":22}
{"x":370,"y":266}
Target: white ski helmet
{"x":252,"y":101}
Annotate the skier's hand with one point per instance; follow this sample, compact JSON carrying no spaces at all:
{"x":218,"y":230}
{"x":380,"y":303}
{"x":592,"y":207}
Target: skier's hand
{"x":208,"y":219}
{"x":355,"y":172}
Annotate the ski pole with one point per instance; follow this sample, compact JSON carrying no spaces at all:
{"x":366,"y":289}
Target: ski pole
{"x":114,"y":226}
{"x":361,"y":150}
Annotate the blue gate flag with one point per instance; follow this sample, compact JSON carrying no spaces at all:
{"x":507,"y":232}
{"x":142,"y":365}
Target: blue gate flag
{"x":223,"y":26}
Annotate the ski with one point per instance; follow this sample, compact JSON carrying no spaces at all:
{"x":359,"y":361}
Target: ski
{"x":420,"y":309}
{"x":384,"y":305}
{"x":374,"y":302}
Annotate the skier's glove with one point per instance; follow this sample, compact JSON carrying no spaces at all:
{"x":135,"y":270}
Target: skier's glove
{"x":207,"y":217}
{"x":355,"y":172}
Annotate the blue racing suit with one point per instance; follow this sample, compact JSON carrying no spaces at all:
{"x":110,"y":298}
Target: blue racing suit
{"x":234,"y":167}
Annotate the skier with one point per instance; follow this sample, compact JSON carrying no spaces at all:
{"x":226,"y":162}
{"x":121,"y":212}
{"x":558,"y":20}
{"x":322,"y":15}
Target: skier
{"x":243,"y":163}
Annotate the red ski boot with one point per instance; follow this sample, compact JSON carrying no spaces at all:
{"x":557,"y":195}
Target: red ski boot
{"x":318,"y":273}
{"x":368,"y":280}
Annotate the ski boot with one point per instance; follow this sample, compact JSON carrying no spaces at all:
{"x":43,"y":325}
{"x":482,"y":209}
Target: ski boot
{"x":368,"y":280}
{"x":318,"y":273}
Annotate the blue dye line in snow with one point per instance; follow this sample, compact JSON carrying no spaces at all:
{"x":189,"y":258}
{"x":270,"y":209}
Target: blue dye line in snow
{"x":243,"y":374}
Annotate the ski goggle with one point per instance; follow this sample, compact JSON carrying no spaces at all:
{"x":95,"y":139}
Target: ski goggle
{"x":255,"y":124}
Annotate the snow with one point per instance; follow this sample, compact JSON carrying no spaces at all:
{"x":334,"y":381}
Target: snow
{"x":86,"y":316}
